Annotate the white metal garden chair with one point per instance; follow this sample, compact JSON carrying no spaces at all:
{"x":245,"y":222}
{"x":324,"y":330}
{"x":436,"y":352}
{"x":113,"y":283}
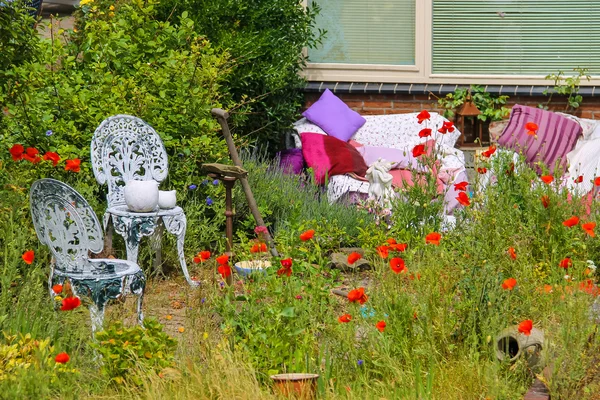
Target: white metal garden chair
{"x":126,"y":148}
{"x":66,"y":223}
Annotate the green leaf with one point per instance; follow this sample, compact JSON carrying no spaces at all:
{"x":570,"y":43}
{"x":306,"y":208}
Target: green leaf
{"x":288,"y":312}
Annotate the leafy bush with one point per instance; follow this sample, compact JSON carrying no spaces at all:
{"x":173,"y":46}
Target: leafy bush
{"x":18,"y":39}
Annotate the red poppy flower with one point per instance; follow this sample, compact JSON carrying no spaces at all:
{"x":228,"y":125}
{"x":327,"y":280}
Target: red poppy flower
{"x":512,"y":253}
{"x":383,"y":251}
{"x":511,"y":169}
{"x":589,"y":287}
{"x":418,"y":150}
{"x":398,"y":247}
{"x":423,"y":115}
{"x":488,"y":153}
{"x":548,"y":179}
{"x":461,"y":186}
{"x":391,"y":241}
{"x":525,"y":327}
{"x":463,"y":199}
{"x":70,"y":303}
{"x":223,"y":259}
{"x":224,"y":270}
{"x":548,"y":288}
{"x":73,"y":165}
{"x":509,"y":284}
{"x":565,"y":263}
{"x":353,"y":257}
{"x":579,"y":179}
{"x":204,"y":255}
{"x":380,"y":326}
{"x":51,"y":156}
{"x":286,"y":267}
{"x":57,"y":289}
{"x":28,"y":256}
{"x":425,"y":133}
{"x":531,"y":128}
{"x":16,"y":152}
{"x":545,"y":201}
{"x":345,"y":318}
{"x":196,"y":260}
{"x":482,"y":170}
{"x":255,"y":248}
{"x":571,"y":222}
{"x":307,"y":235}
{"x":446,"y":127}
{"x":31,"y":155}
{"x":397,"y":265}
{"x":433,"y":238}
{"x":358,"y":296}
{"x":597,"y":181}
{"x":589,"y":227}
{"x":62,"y":358}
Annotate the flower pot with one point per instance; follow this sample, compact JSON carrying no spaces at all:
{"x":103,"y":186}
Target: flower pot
{"x":301,"y":386}
{"x":141,"y":196}
{"x":246,"y":268}
{"x":167,"y":199}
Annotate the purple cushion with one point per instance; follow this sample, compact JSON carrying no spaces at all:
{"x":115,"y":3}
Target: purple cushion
{"x":556,"y":136}
{"x":291,"y":161}
{"x":334,"y":116}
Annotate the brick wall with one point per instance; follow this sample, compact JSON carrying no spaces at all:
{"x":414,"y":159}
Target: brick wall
{"x":378,"y":104}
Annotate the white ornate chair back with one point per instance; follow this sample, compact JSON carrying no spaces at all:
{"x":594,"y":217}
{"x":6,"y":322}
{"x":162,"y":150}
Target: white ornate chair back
{"x":65,"y":222}
{"x":126,"y":148}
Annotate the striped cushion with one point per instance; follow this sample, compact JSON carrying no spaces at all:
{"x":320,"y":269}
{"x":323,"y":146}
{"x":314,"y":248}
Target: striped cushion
{"x":556,"y":136}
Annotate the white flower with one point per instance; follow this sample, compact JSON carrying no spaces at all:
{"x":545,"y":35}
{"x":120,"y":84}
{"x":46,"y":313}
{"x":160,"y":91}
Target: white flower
{"x":567,"y":277}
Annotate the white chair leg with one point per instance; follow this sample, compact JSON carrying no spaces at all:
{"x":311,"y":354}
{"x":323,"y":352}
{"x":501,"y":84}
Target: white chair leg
{"x":97,"y":316}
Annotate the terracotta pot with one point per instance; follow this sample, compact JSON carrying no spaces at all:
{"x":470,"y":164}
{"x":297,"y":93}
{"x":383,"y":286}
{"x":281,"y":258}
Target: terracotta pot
{"x":300,"y":386}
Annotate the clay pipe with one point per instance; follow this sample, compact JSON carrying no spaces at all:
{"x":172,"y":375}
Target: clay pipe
{"x":222,"y":116}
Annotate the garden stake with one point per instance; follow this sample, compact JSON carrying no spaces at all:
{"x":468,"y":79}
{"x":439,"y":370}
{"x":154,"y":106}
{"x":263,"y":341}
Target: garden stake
{"x":222,"y":116}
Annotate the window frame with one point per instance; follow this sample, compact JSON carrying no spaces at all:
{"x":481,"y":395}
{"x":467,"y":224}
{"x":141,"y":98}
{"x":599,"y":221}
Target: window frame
{"x":421,"y":72}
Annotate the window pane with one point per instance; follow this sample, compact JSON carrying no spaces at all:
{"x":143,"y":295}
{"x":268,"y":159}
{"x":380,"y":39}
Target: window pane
{"x":366,"y":32}
{"x":526,"y":37}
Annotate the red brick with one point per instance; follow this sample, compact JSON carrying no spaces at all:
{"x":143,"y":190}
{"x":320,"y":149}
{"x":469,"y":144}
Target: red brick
{"x":372,"y":111}
{"x":354,"y":104}
{"x":378,"y":104}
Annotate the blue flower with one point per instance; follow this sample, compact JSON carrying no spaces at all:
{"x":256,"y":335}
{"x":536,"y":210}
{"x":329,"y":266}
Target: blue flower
{"x":192,"y":187}
{"x":203,"y":300}
{"x":49,"y":132}
{"x":209,"y":201}
{"x":360,"y":362}
{"x":216,"y":182}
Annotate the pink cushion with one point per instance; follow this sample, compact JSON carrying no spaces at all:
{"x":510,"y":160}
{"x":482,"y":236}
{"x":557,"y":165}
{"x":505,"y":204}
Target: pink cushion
{"x":334,"y":116}
{"x":328,"y":156}
{"x":556,"y":136}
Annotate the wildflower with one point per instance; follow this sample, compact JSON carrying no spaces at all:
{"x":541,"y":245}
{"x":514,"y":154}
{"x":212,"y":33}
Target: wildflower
{"x":215,"y":182}
{"x":62,"y":358}
{"x":423,"y":115}
{"x":482,"y":170}
{"x":565,"y":263}
{"x":192,"y":187}
{"x":545,"y":201}
{"x":547,"y":288}
{"x":511,"y":169}
{"x":49,"y":132}
{"x":525,"y":327}
{"x":51,"y":156}
{"x":209,"y":201}
{"x":223,"y":259}
{"x":380,"y":326}
{"x":488,"y":153}
{"x":169,"y":317}
{"x":353,"y":257}
{"x":425,"y":133}
{"x":589,"y":287}
{"x":433,"y":238}
{"x":307,"y":235}
{"x":345,"y":318}
{"x":398,"y":247}
{"x":391,"y":241}
{"x":512,"y":253}
{"x":531,"y":128}
{"x":547,"y":179}
{"x":412,"y":277}
{"x":446,"y":127}
{"x":383,"y":251}
{"x":358,"y":295}
{"x":16,"y":152}
{"x":463,"y":199}
{"x":111,"y":8}
{"x":597,"y":181}
{"x":28,"y":256}
{"x":204,"y":255}
{"x":571,"y":222}
{"x":31,"y":155}
{"x":418,"y":150}
{"x":397,"y":265}
{"x":461,"y":186}
{"x":57,"y":289}
{"x":589,"y":227}
{"x":298,"y":297}
{"x":509,"y":284}
{"x":286,"y":267}
{"x":73,"y":165}
{"x":261,"y":230}
{"x":224,"y":270}
{"x":258,"y":248}
{"x":70,"y":303}
{"x":181,"y":329}
{"x":360,"y":362}
{"x":579,"y":179}
{"x":196,"y":260}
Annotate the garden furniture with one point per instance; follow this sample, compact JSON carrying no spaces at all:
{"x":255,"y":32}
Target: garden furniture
{"x":66,"y":223}
{"x":125,"y":148}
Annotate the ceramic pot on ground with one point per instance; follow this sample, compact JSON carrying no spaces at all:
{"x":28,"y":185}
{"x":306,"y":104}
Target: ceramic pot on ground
{"x":141,"y":196}
{"x":167,"y":199}
{"x":246,"y":268}
{"x":512,"y":344}
{"x":300,"y":386}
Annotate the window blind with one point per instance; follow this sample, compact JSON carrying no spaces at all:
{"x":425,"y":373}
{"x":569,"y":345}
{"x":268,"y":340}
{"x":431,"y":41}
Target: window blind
{"x":366,"y":32}
{"x":524,"y":37}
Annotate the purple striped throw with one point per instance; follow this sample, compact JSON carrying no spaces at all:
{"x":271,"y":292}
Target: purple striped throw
{"x":556,"y":136}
